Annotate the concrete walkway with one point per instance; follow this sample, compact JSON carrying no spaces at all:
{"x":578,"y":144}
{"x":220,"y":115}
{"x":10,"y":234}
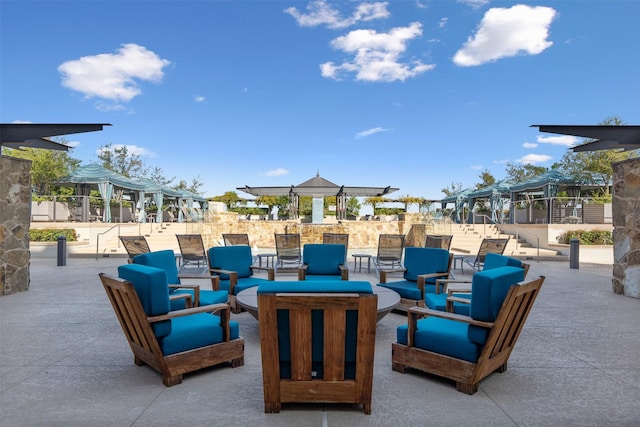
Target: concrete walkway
{"x":65,"y":362}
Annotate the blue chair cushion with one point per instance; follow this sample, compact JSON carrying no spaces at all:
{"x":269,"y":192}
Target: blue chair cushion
{"x":439,"y":302}
{"x":246,"y":283}
{"x":317,"y":317}
{"x":492,"y":261}
{"x":323,"y":259}
{"x":165,"y":260}
{"x":442,"y":336}
{"x":232,"y":258}
{"x":419,"y":261}
{"x":153,"y":292}
{"x":488,"y":291}
{"x":195,"y":331}
{"x":408,"y":289}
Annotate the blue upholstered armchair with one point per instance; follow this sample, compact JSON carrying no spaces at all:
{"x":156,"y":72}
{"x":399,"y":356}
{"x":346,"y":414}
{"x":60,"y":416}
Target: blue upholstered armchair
{"x":171,"y":342}
{"x":453,"y":295}
{"x":329,"y":358}
{"x":323,"y":262}
{"x":422,"y":266}
{"x":233,"y":265}
{"x":166,"y":261}
{"x":468,"y":348}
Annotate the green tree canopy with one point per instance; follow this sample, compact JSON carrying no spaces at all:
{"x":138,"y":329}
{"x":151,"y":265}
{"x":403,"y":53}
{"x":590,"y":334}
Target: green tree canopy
{"x":520,"y":173}
{"x":454,"y":188}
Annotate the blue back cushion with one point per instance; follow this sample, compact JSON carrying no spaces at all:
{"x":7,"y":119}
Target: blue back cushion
{"x":233,"y":258}
{"x":317,"y":319}
{"x":488,"y":291}
{"x":496,"y":260}
{"x":423,"y":261}
{"x":153,"y":292}
{"x":323,"y":259}
{"x":165,"y":260}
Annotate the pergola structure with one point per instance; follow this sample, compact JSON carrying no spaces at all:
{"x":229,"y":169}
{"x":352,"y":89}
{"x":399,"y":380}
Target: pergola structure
{"x":32,"y":135}
{"x":319,"y":187}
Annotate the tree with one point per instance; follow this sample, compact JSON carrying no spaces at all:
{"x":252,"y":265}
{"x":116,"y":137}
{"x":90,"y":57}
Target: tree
{"x":454,"y":188}
{"x":120,"y":160}
{"x":374,"y":202}
{"x":270,"y":201}
{"x":487,"y":179}
{"x":353,"y":206}
{"x":230,"y":199}
{"x":519,"y":173}
{"x":157,"y":175}
{"x":407,"y":200}
{"x":595,"y":166}
{"x":47,"y":166}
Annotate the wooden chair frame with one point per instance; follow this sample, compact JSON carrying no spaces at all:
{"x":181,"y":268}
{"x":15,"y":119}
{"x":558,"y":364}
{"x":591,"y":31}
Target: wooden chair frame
{"x":144,"y":344}
{"x":302,"y":387}
{"x":503,"y":335}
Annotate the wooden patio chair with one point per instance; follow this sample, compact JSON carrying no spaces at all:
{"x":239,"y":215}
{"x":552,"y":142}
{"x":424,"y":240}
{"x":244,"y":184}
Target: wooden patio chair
{"x":438,"y":241}
{"x":135,"y":245}
{"x":488,"y":245}
{"x":467,"y":349}
{"x":317,"y":341}
{"x":163,"y":339}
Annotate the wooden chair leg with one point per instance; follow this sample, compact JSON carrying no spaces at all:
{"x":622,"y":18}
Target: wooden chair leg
{"x":272,"y":407}
{"x":137,"y":361}
{"x":502,"y":368}
{"x":467,"y":388}
{"x":398,"y":367}
{"x":237,"y":362}
{"x":171,"y":380}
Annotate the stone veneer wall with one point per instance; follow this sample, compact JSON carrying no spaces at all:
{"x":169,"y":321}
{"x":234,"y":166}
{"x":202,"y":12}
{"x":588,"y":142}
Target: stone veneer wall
{"x":626,"y":231}
{"x":15,"y":208}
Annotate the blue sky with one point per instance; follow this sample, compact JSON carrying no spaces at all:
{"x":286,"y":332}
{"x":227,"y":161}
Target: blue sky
{"x":408,"y":94}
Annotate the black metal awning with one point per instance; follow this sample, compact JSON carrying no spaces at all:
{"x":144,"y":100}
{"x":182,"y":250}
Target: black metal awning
{"x":33,"y":135}
{"x":608,"y":137}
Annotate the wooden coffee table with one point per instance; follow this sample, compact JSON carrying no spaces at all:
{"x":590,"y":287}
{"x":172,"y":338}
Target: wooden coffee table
{"x":387,"y":300}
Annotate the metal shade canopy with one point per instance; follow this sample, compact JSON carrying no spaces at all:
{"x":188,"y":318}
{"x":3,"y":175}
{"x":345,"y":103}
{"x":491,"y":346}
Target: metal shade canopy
{"x":33,"y":135}
{"x":318,"y":186}
{"x":607,"y":137}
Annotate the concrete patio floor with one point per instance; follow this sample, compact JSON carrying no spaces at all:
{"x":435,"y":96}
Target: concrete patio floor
{"x":65,"y":362}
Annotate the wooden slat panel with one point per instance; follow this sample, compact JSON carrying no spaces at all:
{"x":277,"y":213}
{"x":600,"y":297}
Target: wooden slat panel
{"x":300,"y":338}
{"x":334,"y":344}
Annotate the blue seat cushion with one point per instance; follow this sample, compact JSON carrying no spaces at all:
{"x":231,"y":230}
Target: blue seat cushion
{"x":492,"y":261}
{"x":206,"y":298}
{"x":442,"y":336}
{"x":408,"y":289}
{"x":324,"y":277}
{"x":246,"y":283}
{"x":165,"y":260}
{"x":439,"y":302}
{"x":419,"y":261}
{"x":232,"y":258}
{"x":323,"y":259}
{"x":153,"y":292}
{"x":195,"y":331}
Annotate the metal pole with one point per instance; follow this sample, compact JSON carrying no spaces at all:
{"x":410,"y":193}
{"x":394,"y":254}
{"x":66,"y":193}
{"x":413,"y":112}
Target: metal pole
{"x":574,"y":253}
{"x":62,"y":251}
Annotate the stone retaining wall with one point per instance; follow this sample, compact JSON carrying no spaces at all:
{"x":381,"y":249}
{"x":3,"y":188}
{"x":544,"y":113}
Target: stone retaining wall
{"x":15,"y":208}
{"x":626,"y":231}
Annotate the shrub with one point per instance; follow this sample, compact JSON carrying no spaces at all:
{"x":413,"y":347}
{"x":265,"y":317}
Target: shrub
{"x":587,"y":237}
{"x":51,"y":234}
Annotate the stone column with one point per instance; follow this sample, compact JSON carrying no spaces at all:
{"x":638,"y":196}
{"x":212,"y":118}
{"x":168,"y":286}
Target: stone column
{"x":626,"y":228}
{"x":15,"y":211}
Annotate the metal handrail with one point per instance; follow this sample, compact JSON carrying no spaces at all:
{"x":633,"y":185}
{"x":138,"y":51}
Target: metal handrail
{"x":100,"y":234}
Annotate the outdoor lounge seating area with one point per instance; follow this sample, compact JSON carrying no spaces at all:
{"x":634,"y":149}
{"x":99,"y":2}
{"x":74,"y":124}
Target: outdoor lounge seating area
{"x":66,"y":361}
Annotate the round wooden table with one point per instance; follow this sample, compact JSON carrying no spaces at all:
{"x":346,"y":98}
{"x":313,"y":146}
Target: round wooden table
{"x":387,"y":300}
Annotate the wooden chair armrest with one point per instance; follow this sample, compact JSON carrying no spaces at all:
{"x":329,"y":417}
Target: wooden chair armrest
{"x":444,"y":283}
{"x":421,"y":312}
{"x":233,"y":278}
{"x":383,"y":273}
{"x":422,"y":278}
{"x":271,"y":272}
{"x":302,"y":272}
{"x":195,"y":288}
{"x":187,"y":297}
{"x":344,"y":272}
{"x":459,"y":299}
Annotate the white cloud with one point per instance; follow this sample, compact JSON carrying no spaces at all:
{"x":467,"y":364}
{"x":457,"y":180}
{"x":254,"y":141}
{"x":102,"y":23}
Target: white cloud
{"x":532,"y":159}
{"x":564,"y":140}
{"x":476,"y":167}
{"x":377,"y":55}
{"x":509,"y":32}
{"x":21,"y":122}
{"x":73,"y":144}
{"x":370,"y":132}
{"x":113,"y":76}
{"x":321,"y":13}
{"x":276,"y":172}
{"x":133,"y":150}
{"x":443,"y":22}
{"x":476,"y":4}
{"x":199,"y":98}
{"x":529,"y":145}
